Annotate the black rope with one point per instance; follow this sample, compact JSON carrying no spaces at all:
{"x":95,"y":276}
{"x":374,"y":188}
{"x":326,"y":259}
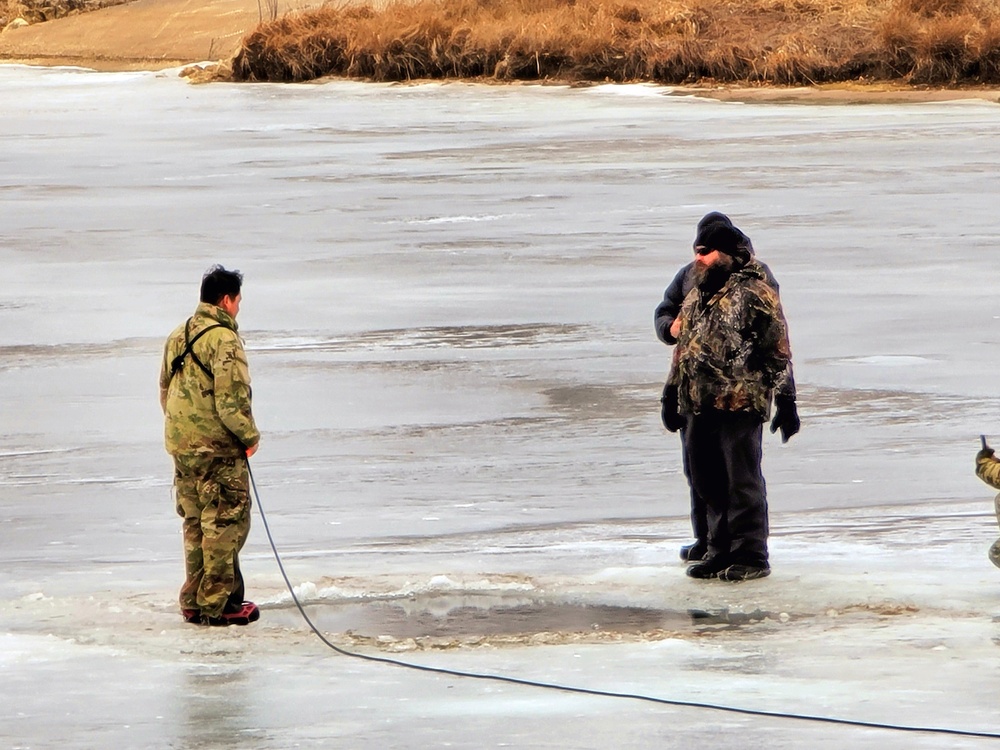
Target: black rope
{"x":590,"y":691}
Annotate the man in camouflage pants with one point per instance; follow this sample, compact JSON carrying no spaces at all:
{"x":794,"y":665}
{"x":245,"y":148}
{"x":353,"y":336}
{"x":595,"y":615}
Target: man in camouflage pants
{"x":731,"y":354}
{"x":210,"y":433}
{"x":988,"y":469}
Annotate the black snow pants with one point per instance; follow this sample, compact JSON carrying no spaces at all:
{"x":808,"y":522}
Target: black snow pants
{"x":723,"y":451}
{"x":699,"y":511}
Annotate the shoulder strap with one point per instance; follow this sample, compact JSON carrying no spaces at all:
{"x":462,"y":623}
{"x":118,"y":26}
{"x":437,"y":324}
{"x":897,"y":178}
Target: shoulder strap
{"x":178,"y":361}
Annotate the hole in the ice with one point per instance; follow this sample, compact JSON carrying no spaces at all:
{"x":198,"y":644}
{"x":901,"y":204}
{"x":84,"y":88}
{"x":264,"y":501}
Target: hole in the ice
{"x":469,"y":617}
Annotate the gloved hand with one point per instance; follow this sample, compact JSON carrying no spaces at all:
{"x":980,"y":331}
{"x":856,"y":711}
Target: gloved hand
{"x":672,"y":419}
{"x":786,"y":417}
{"x":984,"y":454}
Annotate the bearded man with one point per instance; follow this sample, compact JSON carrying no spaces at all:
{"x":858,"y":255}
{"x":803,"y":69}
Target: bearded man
{"x":667,"y":323}
{"x":732,"y":353}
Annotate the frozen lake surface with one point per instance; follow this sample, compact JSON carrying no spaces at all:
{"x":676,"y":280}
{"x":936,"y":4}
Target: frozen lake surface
{"x":448,"y":312}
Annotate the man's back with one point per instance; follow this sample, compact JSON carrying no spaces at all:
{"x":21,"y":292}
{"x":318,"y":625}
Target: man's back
{"x":206,"y":400}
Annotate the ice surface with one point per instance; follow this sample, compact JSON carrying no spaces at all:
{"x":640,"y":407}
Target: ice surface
{"x":448,"y":311}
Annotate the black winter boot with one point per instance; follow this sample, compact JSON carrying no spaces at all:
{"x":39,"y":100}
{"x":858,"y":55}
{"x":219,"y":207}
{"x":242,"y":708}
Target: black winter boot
{"x":710,"y":567}
{"x":694,"y":552}
{"x":738,"y":572}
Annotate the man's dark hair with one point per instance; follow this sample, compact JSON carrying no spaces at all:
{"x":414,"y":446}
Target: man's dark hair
{"x":218,"y":282}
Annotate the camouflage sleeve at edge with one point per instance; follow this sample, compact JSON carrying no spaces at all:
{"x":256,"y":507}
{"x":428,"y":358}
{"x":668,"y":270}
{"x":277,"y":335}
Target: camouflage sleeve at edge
{"x":988,"y":469}
{"x":164,"y":378}
{"x":786,"y":384}
{"x":773,"y":338}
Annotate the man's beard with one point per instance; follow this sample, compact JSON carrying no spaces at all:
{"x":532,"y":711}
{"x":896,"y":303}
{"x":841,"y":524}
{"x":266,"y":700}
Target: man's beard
{"x":712,"y":278}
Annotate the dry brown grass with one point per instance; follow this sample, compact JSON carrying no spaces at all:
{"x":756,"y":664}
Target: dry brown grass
{"x":667,"y":41}
{"x":11,"y":9}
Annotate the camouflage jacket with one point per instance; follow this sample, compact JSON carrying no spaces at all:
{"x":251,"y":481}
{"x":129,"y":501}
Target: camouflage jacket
{"x":732,"y":350}
{"x":207,"y":415}
{"x":673,"y":298}
{"x":988,"y":469}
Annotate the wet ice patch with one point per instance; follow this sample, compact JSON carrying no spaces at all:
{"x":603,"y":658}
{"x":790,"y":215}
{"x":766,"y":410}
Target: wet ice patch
{"x":888,"y":360}
{"x":632,"y":89}
{"x":884,"y":405}
{"x":434,"y":337}
{"x":449,"y":584}
{"x":459,"y":219}
{"x":462,"y":620}
{"x":388,"y":590}
{"x":43,"y":452}
{"x":16,"y":648}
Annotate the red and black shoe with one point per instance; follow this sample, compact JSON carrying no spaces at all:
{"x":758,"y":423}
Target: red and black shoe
{"x":244,"y":614}
{"x":192,"y":616}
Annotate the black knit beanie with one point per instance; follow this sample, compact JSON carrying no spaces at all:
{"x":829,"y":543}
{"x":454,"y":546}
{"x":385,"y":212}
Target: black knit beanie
{"x":726,"y":238}
{"x":713,"y":217}
{"x":745,"y":249}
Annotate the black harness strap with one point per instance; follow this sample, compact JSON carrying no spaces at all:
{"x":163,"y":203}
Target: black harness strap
{"x":178,"y":361}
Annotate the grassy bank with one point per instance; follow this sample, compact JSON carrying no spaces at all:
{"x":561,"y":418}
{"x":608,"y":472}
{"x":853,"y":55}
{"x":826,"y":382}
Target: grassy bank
{"x":937,"y":42}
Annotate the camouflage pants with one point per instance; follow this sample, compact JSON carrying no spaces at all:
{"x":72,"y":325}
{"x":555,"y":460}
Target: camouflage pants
{"x":213,"y":498}
{"x":995,"y":549}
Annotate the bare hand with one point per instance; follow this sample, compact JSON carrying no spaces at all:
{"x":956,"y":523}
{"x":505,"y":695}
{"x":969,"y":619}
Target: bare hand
{"x":675,"y":328}
{"x":252,"y":449}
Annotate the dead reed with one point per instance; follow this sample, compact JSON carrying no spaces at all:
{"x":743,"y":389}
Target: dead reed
{"x":941,"y":42}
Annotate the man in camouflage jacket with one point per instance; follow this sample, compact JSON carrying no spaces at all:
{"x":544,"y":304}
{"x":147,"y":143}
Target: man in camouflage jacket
{"x":667,"y":324}
{"x":210,"y":432}
{"x":732,"y":353}
{"x":988,"y":469}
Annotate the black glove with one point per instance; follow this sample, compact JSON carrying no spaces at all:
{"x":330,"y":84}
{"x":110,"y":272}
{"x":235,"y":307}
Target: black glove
{"x":786,"y":417}
{"x":672,"y":419}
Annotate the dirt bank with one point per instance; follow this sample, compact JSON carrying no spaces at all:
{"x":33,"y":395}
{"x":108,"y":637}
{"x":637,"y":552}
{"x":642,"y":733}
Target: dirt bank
{"x":840,"y":93}
{"x":142,"y":35}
